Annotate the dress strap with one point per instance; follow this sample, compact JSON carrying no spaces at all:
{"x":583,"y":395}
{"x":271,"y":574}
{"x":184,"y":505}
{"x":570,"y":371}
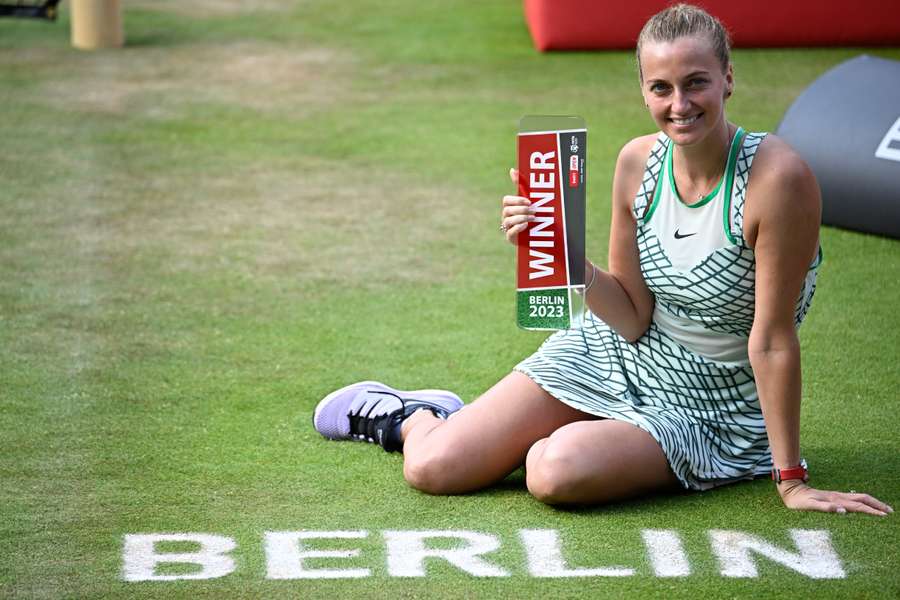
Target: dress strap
{"x":735,"y":206}
{"x":647,"y":192}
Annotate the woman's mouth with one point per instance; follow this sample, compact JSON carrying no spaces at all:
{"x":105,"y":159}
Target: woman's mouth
{"x":685,"y":121}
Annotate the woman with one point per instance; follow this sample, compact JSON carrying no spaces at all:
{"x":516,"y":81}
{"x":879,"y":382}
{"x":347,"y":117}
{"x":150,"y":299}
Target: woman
{"x":687,"y":371}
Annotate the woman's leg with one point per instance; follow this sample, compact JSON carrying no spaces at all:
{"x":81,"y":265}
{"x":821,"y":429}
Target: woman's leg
{"x":484,"y":442}
{"x":595,"y":462}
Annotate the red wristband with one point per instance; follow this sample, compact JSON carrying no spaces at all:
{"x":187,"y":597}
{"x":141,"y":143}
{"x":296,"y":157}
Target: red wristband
{"x":798,"y":472}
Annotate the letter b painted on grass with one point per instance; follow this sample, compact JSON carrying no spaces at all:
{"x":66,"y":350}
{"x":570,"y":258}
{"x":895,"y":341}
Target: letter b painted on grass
{"x":141,"y":558}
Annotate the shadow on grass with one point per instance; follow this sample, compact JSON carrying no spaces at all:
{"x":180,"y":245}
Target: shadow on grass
{"x":514,"y":485}
{"x":157,"y":39}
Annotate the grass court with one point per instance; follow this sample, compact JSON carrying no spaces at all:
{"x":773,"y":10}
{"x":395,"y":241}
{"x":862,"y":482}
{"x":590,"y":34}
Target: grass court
{"x":254,"y":203}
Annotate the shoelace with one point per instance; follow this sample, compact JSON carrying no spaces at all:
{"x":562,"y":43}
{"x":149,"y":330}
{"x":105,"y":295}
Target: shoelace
{"x":364,"y":425}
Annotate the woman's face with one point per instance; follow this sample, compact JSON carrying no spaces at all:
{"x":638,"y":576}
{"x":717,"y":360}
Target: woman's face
{"x":684,"y":88}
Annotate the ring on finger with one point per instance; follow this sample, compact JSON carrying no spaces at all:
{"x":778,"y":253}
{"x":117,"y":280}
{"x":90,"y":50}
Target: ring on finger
{"x":504,"y":227}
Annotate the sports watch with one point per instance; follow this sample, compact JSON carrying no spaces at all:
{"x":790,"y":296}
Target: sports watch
{"x":798,"y":472}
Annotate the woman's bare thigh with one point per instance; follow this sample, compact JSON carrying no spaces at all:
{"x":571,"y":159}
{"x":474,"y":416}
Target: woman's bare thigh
{"x":486,"y":440}
{"x":598,"y":461}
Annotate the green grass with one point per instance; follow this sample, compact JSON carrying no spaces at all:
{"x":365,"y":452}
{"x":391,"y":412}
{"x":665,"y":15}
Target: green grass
{"x":205,"y":232}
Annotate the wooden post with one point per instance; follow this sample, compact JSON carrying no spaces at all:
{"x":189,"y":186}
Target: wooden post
{"x":97,"y":24}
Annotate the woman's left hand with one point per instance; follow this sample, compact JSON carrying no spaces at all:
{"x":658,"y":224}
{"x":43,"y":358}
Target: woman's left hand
{"x":799,"y":496}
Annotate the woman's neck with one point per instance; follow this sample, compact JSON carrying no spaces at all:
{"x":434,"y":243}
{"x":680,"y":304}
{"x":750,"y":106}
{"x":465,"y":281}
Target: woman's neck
{"x":700,"y":165}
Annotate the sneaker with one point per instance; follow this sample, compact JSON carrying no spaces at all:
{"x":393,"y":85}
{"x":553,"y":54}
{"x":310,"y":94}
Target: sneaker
{"x":372,"y":412}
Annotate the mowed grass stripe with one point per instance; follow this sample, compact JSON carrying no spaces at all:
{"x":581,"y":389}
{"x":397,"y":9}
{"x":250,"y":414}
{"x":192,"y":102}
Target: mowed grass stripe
{"x":209,"y":230}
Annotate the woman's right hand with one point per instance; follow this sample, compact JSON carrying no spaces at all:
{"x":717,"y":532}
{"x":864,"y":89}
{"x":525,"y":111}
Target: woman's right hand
{"x":516,"y":212}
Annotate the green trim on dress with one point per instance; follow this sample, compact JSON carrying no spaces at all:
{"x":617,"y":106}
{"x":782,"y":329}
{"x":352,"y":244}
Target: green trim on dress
{"x":736,"y":144}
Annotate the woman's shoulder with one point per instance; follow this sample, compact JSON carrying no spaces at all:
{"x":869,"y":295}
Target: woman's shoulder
{"x":633,"y":155}
{"x":639,"y":147}
{"x":630,"y":166}
{"x":781,"y":184}
{"x":777,"y":163}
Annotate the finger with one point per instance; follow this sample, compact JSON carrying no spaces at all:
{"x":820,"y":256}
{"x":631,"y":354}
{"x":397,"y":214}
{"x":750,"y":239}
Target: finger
{"x":839,"y":505}
{"x":514,"y":231}
{"x":853,"y":506}
{"x":520,"y":221}
{"x":513,"y":220}
{"x":514,"y":175}
{"x":853,"y":499}
{"x":821,"y":505}
{"x":515,"y":201}
{"x":511,"y":211}
{"x":870,"y":501}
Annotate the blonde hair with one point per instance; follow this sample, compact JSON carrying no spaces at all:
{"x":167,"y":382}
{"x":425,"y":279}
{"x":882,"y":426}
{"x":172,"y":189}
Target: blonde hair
{"x":685,"y":20}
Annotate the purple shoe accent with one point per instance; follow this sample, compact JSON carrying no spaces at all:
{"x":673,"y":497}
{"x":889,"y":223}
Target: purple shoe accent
{"x":331,"y":415}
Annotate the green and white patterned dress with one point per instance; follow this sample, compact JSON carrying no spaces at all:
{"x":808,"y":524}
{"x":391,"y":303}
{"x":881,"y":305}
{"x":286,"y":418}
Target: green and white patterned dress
{"x":687,"y":381}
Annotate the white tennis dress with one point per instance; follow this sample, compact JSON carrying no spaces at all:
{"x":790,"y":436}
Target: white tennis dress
{"x":687,"y":381}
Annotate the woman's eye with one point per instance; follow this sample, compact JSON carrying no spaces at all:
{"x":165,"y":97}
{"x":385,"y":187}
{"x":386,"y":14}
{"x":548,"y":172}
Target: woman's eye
{"x":658,"y":88}
{"x":697,"y":82}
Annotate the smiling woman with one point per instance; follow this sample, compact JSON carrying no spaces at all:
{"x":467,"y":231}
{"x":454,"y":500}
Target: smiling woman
{"x":687,"y":370}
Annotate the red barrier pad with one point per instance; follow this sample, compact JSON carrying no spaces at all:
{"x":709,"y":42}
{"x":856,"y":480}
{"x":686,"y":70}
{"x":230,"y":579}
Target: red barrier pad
{"x":615,"y":24}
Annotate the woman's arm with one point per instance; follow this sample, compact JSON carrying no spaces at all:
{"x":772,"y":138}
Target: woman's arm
{"x":782,"y":225}
{"x":620,"y":296}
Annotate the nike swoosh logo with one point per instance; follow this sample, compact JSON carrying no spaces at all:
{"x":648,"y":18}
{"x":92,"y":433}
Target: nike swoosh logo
{"x":681,"y":236}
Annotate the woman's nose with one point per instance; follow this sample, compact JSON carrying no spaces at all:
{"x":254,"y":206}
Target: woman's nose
{"x":680,"y":102}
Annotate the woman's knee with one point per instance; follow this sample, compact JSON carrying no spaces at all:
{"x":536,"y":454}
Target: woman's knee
{"x":430,"y":470}
{"x":596,"y":462}
{"x":551,"y":472}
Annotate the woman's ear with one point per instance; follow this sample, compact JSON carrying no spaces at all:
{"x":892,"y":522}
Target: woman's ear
{"x":729,"y":81}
